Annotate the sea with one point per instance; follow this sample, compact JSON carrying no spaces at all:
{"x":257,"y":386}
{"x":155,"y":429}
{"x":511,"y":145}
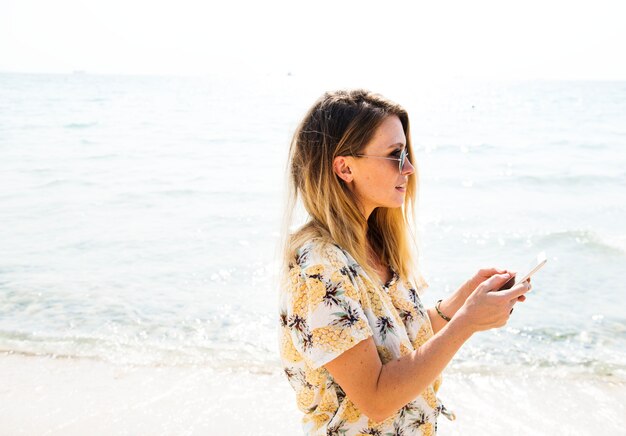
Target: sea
{"x":141,"y":215}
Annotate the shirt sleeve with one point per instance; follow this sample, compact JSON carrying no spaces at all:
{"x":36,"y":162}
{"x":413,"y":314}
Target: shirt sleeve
{"x":325,"y":317}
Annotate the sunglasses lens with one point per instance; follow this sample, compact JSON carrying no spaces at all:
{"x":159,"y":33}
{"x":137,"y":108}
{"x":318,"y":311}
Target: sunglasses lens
{"x":403,"y":159}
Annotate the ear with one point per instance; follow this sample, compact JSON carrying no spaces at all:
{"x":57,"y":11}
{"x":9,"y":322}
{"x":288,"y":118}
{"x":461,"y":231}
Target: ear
{"x":342,"y":169}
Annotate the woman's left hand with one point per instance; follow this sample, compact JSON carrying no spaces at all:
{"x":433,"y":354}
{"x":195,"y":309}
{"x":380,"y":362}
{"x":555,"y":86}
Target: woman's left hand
{"x":482,"y":275}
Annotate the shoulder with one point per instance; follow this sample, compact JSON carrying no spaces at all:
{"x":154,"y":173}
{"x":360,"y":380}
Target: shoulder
{"x":322,"y":252}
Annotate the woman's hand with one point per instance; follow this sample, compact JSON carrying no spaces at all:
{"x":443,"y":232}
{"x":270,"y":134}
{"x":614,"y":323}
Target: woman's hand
{"x":452,"y":304}
{"x":481,"y":276}
{"x":486,"y":307}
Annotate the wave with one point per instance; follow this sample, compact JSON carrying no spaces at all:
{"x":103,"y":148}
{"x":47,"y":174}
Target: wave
{"x":593,"y":352}
{"x":455,"y":148}
{"x":105,"y":156}
{"x":526,"y":181}
{"x":80,"y":125}
{"x":497,"y":362}
{"x":65,"y":182}
{"x":586,"y":238}
{"x":571,"y":180}
{"x":178,"y":192}
{"x":588,"y":369}
{"x":614,"y":245}
{"x":574,"y":353}
{"x":136,"y":351}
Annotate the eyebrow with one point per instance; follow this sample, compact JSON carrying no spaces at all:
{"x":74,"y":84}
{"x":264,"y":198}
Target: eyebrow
{"x":396,"y":144}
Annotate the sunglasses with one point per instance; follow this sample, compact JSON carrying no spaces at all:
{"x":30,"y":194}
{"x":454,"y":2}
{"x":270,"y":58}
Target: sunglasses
{"x":401,"y":160}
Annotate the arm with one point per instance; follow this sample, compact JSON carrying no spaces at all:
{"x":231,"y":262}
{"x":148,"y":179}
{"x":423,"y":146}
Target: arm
{"x":380,"y":390}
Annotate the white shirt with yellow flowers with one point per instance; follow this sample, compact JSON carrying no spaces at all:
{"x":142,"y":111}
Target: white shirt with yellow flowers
{"x":329,"y":306}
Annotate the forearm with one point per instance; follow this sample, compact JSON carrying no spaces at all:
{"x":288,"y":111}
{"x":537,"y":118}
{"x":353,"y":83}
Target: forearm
{"x":402,"y":380}
{"x":449,"y":307}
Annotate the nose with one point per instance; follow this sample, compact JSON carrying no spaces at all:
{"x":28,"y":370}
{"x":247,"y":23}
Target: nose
{"x":408,"y":168}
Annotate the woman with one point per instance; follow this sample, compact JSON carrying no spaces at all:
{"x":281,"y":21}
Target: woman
{"x":358,"y":347}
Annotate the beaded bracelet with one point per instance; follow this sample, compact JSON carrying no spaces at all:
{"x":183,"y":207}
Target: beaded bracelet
{"x":439,"y":311}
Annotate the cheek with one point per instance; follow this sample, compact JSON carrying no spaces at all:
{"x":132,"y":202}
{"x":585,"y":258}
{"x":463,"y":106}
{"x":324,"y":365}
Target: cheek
{"x":379,"y":188}
{"x":376,"y":186}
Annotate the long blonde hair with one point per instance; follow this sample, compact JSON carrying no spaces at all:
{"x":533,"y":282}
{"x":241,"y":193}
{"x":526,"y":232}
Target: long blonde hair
{"x":341,"y":123}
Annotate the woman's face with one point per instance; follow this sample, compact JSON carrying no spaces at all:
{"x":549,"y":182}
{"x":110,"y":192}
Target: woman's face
{"x":378,"y":182}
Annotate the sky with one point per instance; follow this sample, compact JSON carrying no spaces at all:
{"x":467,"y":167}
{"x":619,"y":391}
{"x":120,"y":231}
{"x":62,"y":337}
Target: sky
{"x":474,"y":39}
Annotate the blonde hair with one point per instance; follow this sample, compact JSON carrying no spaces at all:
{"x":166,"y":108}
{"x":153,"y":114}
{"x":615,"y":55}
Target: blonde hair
{"x":341,"y":123}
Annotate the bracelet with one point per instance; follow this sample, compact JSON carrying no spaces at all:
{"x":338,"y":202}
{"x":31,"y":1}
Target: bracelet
{"x":439,"y":311}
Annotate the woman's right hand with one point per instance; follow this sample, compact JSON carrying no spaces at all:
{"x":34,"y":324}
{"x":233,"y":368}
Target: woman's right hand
{"x":488,"y":308}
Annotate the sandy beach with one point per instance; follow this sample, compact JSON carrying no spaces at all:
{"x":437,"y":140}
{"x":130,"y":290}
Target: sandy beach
{"x":46,"y":396}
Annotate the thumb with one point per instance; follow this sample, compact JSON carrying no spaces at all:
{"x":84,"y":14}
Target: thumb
{"x":495,"y":282}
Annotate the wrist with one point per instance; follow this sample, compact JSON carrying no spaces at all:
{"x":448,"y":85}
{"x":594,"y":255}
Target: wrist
{"x":440,"y":313}
{"x":451,"y":304}
{"x":466,"y":289}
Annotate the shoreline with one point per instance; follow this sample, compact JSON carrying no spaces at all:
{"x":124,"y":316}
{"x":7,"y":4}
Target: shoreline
{"x":47,"y":396}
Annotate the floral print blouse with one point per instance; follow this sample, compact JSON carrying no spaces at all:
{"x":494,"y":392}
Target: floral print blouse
{"x":330,"y":305}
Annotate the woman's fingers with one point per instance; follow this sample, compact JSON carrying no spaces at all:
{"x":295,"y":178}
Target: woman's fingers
{"x":515,"y":292}
{"x":488,"y":272}
{"x":495,"y":282}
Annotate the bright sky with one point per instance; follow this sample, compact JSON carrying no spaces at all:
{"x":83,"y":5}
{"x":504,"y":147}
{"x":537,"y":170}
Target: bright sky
{"x":464,"y":38}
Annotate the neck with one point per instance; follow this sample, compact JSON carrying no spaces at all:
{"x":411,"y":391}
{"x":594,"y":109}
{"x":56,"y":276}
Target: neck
{"x":372,"y":256}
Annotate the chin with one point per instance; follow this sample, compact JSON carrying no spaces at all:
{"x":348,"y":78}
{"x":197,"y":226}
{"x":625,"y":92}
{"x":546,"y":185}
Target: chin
{"x":394,"y":205}
{"x":400,"y":201}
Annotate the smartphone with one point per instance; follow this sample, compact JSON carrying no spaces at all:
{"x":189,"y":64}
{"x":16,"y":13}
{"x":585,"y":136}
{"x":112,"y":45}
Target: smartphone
{"x":541,"y":261}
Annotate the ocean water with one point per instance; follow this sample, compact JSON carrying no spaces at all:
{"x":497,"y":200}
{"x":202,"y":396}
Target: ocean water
{"x":140,"y":215}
